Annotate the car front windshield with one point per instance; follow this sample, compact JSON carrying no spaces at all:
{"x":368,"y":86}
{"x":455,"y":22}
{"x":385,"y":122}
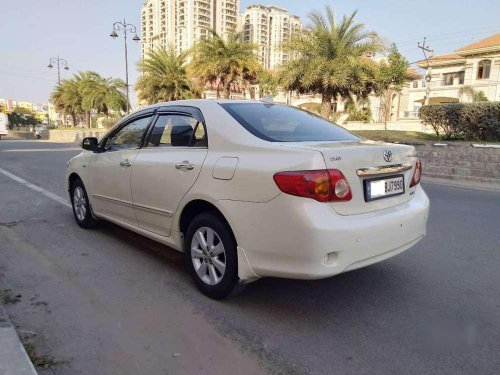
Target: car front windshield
{"x":281,"y":123}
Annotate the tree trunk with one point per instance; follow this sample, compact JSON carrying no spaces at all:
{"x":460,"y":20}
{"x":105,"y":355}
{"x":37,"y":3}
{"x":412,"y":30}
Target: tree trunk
{"x":227,"y":91}
{"x":326,"y":105}
{"x":87,"y":119}
{"x":385,"y":106}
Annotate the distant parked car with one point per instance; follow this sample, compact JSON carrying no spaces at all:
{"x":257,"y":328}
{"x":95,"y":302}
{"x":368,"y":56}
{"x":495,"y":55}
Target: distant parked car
{"x":4,"y":124}
{"x":251,"y":189}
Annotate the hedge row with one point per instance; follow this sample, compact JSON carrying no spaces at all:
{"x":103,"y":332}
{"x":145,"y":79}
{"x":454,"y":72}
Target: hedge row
{"x":471,"y":121}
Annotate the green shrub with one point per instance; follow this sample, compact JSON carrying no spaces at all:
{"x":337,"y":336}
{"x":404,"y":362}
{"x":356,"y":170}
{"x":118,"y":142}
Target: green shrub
{"x":363,"y":114}
{"x":472,"y":121}
{"x":109,"y":122}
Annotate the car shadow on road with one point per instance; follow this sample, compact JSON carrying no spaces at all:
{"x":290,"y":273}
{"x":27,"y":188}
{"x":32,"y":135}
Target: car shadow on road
{"x":354,"y":289}
{"x":391,"y":301}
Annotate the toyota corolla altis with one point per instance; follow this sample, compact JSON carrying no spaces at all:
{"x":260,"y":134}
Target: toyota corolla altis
{"x":250,"y":189}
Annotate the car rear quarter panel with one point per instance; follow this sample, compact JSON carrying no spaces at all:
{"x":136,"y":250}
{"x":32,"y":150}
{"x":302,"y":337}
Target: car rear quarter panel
{"x":258,"y":160}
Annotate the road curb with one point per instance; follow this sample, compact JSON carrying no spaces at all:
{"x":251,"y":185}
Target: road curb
{"x":462,"y":183}
{"x":13,"y":358}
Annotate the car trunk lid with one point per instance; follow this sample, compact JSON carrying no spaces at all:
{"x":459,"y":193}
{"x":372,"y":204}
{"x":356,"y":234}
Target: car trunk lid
{"x":360,"y":161}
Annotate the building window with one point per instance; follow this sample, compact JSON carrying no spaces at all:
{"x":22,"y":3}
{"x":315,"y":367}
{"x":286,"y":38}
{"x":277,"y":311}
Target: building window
{"x":461,"y":77}
{"x":483,"y":69}
{"x":448,"y":79}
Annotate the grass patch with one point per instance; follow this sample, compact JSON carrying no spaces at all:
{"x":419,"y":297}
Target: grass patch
{"x":41,"y":362}
{"x":395,"y":136}
{"x":7,"y":297}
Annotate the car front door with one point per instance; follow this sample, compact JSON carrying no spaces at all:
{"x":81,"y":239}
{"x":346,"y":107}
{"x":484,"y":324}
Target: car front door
{"x":166,"y":168}
{"x":110,"y":170}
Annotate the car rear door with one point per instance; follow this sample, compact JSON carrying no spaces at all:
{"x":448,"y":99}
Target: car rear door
{"x":167,"y":167}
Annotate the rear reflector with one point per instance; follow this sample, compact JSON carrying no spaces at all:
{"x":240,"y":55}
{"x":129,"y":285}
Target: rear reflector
{"x":417,"y":174}
{"x":322,"y":185}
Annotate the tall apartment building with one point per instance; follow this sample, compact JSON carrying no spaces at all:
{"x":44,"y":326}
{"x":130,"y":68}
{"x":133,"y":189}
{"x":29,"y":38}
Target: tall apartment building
{"x":269,"y":27}
{"x":182,"y":22}
{"x":157,"y":24}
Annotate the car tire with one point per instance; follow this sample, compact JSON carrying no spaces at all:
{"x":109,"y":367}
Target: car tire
{"x":211,"y":256}
{"x":81,"y":206}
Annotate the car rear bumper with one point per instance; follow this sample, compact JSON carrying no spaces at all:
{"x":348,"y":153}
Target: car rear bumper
{"x":300,"y":238}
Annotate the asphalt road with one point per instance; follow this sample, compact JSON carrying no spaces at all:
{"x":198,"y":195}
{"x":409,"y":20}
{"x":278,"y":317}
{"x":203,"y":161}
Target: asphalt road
{"x":108,"y":301}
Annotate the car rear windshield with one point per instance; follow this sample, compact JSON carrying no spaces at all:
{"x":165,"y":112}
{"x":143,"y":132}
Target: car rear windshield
{"x":281,"y":123}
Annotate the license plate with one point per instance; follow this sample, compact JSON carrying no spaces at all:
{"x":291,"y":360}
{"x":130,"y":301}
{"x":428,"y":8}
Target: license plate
{"x":384,"y":187}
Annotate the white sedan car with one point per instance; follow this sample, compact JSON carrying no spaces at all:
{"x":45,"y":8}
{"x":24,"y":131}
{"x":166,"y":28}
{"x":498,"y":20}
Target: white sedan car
{"x":250,"y":189}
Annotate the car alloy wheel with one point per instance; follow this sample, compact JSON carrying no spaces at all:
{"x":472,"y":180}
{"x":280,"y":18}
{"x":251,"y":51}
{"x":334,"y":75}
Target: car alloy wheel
{"x":208,"y":256}
{"x":81,"y":206}
{"x":79,"y":203}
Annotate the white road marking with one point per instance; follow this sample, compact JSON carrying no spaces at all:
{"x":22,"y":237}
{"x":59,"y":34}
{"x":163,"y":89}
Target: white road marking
{"x":36,"y":188}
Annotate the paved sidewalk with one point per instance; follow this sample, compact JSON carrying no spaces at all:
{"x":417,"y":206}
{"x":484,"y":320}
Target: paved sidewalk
{"x":13,"y":357}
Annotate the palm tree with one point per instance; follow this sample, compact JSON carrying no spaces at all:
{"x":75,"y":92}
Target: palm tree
{"x":268,"y":84}
{"x":225,"y":62}
{"x":86,"y":83}
{"x":105,"y":94}
{"x":465,"y":91}
{"x":475,"y":95}
{"x":67,"y":99}
{"x":164,"y":77}
{"x":332,"y":59}
{"x":87,"y":92}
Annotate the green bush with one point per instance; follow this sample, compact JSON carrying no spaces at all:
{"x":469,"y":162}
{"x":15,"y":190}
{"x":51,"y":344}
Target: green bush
{"x":109,"y":122}
{"x":471,"y":121}
{"x":363,"y":114}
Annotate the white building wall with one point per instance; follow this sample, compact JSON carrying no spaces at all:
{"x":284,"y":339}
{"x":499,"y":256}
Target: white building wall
{"x":440,"y":92}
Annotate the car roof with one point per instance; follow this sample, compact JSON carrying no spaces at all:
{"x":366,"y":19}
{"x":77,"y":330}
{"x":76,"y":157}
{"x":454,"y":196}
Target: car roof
{"x":197,"y":102}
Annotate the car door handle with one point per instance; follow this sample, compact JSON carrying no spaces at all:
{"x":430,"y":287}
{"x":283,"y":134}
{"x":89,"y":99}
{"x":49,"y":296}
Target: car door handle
{"x":184,"y":165}
{"x":125,"y":163}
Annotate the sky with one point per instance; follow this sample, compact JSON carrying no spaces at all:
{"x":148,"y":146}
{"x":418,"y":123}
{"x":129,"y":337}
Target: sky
{"x":33,"y":31}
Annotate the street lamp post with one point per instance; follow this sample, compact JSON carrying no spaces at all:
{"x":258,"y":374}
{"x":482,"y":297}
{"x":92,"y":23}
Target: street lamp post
{"x":125,"y":28}
{"x":61,"y":63}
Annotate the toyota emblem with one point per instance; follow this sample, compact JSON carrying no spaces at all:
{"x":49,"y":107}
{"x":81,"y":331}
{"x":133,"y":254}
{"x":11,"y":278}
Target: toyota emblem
{"x":388,"y":155}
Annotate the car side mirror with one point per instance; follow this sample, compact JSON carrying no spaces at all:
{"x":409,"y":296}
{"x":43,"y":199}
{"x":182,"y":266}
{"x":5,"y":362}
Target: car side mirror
{"x":90,"y":144}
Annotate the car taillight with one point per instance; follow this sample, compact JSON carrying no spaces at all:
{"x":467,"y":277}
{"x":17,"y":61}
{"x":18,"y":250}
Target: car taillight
{"x":322,"y":185}
{"x":417,"y":174}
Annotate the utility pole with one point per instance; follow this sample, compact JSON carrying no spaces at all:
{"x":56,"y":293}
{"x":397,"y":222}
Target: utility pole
{"x":427,"y":54}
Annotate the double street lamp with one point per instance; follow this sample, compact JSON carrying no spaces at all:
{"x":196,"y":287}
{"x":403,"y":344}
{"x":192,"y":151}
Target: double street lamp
{"x":125,"y":28}
{"x":61,"y":63}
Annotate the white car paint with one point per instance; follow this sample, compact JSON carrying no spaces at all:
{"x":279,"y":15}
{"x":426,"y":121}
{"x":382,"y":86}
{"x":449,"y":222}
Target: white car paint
{"x":277,"y":234}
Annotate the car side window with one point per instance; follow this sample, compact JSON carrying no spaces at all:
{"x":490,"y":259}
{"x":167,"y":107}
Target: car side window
{"x":172,"y":130}
{"x":130,"y":136}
